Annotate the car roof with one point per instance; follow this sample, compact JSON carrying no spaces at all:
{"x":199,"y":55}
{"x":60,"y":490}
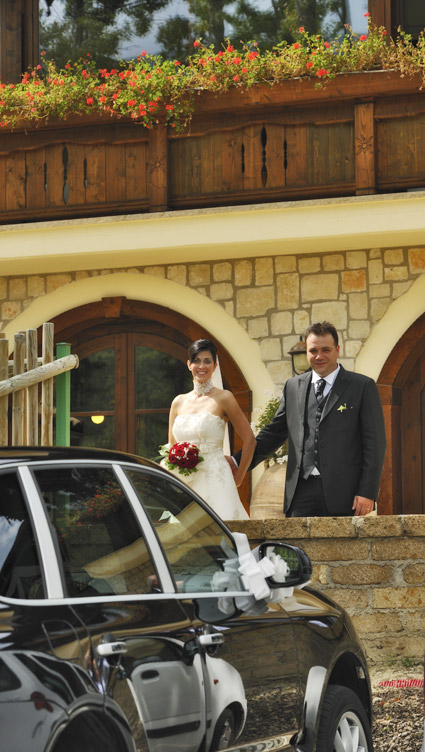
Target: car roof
{"x":27,"y":454}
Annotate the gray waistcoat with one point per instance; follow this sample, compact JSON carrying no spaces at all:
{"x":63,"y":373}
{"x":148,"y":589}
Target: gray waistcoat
{"x":311,"y":433}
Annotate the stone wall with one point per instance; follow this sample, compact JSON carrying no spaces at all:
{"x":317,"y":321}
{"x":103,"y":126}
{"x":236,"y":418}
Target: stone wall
{"x":273,"y":298}
{"x":374,"y":567}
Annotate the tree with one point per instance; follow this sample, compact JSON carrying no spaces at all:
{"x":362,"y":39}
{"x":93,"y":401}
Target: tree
{"x":99,"y":27}
{"x":281,"y":21}
{"x":213,"y":20}
{"x":267,"y":27}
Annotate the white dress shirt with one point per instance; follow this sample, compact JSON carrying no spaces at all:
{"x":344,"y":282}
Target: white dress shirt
{"x":330,"y":378}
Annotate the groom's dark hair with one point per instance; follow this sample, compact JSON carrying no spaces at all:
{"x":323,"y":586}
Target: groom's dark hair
{"x":320,"y":329}
{"x":199,"y":346}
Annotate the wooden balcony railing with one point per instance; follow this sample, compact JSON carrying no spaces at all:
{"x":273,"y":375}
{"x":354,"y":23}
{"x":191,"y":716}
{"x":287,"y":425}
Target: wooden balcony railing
{"x":363,"y":133}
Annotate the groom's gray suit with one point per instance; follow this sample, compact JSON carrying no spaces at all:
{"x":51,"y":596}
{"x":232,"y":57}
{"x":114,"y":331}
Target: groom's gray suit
{"x":351,"y":439}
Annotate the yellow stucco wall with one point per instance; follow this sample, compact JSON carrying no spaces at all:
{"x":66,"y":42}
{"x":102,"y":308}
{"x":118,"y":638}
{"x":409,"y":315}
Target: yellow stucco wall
{"x":300,"y":227}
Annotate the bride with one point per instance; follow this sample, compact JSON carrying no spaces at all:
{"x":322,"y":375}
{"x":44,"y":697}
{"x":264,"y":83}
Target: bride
{"x":200,"y":418}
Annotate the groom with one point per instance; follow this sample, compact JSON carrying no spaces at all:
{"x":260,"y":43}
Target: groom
{"x":334,"y":424}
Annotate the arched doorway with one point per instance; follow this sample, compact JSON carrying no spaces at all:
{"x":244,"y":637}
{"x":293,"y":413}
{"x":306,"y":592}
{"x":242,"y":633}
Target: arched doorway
{"x":132,"y":363}
{"x":401,"y":385}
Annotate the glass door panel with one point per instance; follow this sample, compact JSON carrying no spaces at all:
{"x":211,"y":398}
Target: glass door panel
{"x":159,"y":377}
{"x":122,"y":391}
{"x":93,"y":382}
{"x":93,"y":400}
{"x":151,"y":432}
{"x":86,"y":433}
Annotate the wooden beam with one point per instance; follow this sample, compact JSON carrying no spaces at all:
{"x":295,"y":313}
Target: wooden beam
{"x":32,"y":391}
{"x":19,"y":37}
{"x":158,"y":168}
{"x":380,"y":12}
{"x":4,"y":372}
{"x":25,"y":379}
{"x":365,"y":148}
{"x":47,"y":387}
{"x":18,"y":399}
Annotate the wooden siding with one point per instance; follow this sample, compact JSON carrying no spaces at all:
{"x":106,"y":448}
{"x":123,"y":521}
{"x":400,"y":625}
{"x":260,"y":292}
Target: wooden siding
{"x":360,"y":134}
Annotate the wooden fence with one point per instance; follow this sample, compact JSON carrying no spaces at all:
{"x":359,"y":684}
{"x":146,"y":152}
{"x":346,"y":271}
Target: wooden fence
{"x":20,"y":378}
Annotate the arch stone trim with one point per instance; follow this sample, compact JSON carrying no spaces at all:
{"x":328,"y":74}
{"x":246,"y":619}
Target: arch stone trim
{"x":157,"y":290}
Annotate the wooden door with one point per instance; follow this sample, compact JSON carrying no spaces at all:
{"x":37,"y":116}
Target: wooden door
{"x":122,"y":391}
{"x":413,"y":439}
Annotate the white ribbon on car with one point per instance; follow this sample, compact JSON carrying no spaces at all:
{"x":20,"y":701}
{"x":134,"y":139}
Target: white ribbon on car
{"x":253,"y":571}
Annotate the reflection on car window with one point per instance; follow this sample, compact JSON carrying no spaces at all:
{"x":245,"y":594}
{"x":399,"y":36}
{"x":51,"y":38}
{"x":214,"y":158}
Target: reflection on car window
{"x":20,"y":572}
{"x":102,"y":547}
{"x":8,"y":679}
{"x":196,"y":546}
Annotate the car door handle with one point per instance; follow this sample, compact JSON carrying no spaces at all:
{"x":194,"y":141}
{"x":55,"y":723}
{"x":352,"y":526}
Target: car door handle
{"x":151,"y":674}
{"x":207,"y":640}
{"x":106,"y":649}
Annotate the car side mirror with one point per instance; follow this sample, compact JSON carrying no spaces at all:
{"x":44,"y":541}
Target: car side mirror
{"x":295,"y":559}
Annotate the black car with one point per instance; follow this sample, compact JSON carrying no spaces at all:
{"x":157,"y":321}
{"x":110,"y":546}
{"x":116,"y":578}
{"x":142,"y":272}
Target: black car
{"x":132,"y":619}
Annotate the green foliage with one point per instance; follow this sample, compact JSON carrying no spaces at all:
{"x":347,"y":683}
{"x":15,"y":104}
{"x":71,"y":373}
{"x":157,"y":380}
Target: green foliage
{"x":151,"y":90}
{"x":408,"y":662}
{"x":267,"y":414}
{"x":392,"y":660}
{"x":263,"y":419}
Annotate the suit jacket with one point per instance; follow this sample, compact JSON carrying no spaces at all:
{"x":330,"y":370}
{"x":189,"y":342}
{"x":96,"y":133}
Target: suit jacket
{"x":351,"y":439}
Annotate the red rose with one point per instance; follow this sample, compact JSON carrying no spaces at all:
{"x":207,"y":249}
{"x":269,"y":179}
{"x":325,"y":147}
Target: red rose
{"x":184,"y":455}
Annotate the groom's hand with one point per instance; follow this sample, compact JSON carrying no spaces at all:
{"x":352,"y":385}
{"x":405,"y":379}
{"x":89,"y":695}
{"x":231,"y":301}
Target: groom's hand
{"x":232,"y":463}
{"x":362,"y":506}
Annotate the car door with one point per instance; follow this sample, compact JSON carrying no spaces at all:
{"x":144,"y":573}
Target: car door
{"x":118,"y":584}
{"x":43,"y":644}
{"x":143,"y":562}
{"x":249,"y":657}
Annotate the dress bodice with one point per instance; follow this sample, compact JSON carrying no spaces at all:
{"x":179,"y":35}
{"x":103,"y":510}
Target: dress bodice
{"x":206,"y":430}
{"x":213,"y":479}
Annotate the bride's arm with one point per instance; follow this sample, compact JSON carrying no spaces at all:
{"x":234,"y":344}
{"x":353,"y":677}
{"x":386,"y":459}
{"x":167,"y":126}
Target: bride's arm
{"x":243,"y":429}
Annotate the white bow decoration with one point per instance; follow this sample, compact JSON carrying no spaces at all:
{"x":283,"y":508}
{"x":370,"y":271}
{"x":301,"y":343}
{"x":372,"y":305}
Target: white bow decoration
{"x":253,"y":572}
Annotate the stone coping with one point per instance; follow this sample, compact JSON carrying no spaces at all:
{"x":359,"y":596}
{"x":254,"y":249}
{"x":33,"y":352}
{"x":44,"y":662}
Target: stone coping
{"x":388,"y":526}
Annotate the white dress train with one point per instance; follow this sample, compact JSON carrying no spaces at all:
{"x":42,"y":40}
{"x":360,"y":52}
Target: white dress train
{"x":213,"y":480}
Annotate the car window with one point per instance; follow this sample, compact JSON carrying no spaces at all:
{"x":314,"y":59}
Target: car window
{"x":102,"y":548}
{"x":20,"y":571}
{"x":196,"y":546}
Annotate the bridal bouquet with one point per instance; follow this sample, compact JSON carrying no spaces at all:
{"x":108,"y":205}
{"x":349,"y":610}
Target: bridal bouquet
{"x":182,"y":456}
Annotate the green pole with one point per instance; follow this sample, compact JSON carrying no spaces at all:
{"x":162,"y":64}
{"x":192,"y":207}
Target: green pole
{"x":63,"y":399}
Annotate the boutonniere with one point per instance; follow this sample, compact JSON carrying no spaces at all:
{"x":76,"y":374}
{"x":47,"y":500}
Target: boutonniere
{"x":344,"y":407}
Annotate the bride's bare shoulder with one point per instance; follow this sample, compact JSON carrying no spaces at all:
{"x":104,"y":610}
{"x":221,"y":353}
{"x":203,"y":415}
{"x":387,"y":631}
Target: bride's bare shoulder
{"x":180,"y":400}
{"x":224,"y":397}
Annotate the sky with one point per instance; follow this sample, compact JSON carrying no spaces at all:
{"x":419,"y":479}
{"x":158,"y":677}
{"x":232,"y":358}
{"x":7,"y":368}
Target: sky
{"x":179,"y":7}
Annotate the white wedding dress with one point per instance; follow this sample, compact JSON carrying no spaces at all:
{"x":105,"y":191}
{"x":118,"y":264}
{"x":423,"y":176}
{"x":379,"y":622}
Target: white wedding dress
{"x":213,"y":480}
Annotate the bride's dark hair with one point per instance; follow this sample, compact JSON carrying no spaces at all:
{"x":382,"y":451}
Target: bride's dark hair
{"x":199,"y":346}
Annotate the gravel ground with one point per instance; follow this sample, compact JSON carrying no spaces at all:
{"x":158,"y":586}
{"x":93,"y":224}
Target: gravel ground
{"x":398,"y":711}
